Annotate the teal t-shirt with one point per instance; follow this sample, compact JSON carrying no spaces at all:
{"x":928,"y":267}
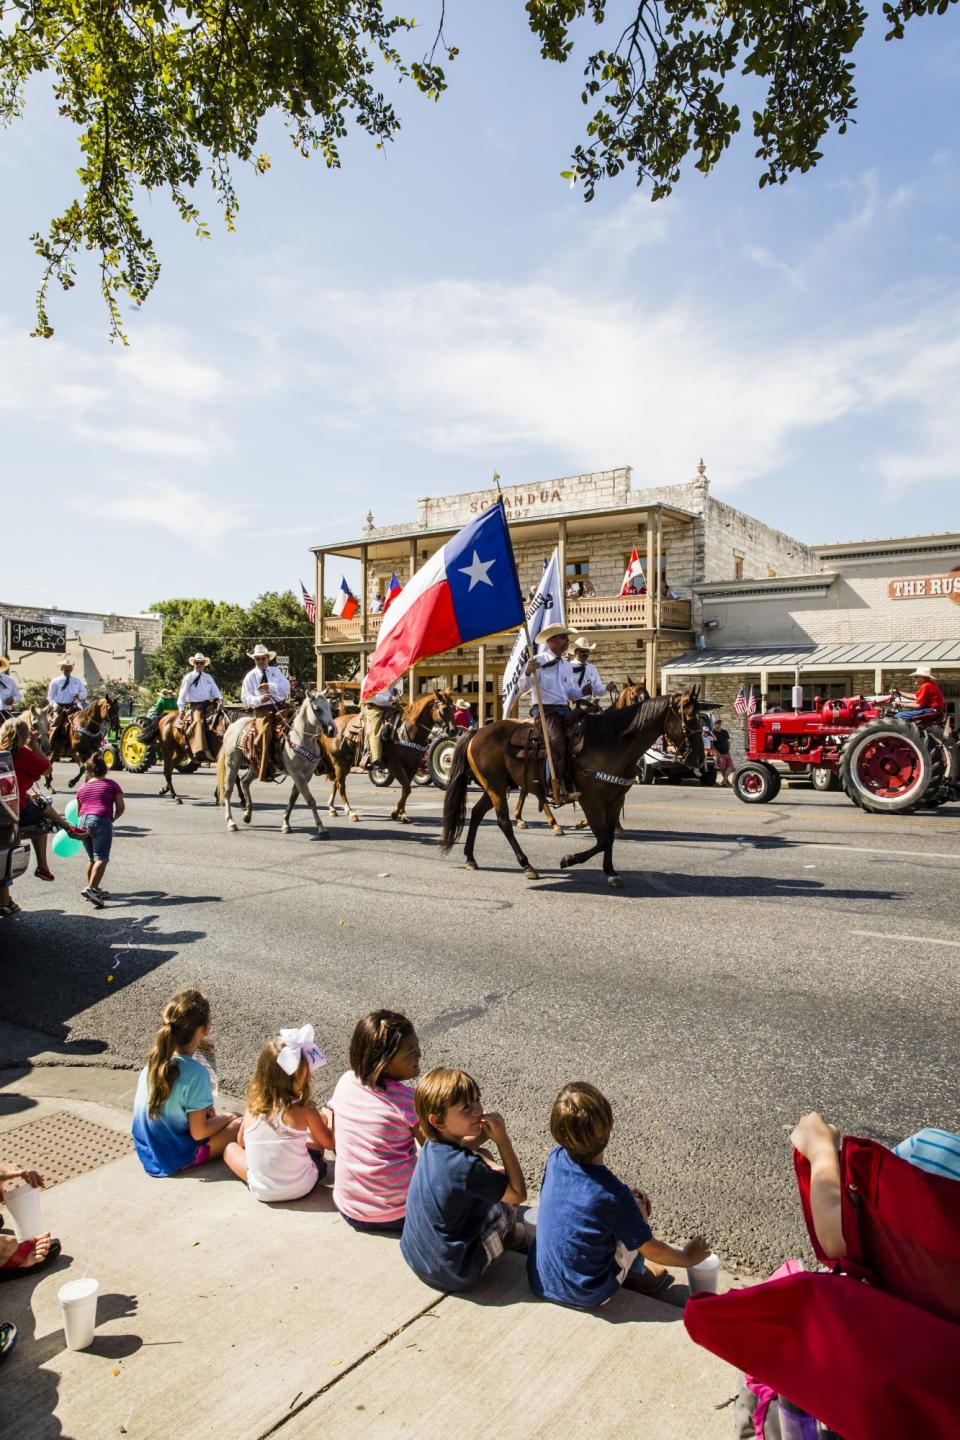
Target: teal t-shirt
{"x":163,"y":1141}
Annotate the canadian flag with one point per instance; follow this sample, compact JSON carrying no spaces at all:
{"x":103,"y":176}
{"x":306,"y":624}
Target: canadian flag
{"x":633,"y":579}
{"x":346,"y":605}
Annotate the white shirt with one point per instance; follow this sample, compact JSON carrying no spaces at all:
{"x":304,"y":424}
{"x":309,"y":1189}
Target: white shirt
{"x":385,"y":698}
{"x":278,"y":682}
{"x":590,"y":676}
{"x":557,"y":684}
{"x":279,"y":1166}
{"x":63,"y":691}
{"x":9,"y":691}
{"x":195,"y":688}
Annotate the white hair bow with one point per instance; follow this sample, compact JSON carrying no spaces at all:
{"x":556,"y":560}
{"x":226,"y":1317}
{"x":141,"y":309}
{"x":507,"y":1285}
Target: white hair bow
{"x":298,"y":1045}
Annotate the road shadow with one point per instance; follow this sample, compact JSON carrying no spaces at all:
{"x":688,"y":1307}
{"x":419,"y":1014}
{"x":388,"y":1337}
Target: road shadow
{"x":668,"y":885}
{"x":162,"y":898}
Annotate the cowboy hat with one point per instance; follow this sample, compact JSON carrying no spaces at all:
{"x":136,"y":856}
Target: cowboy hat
{"x":4,"y":664}
{"x":550,"y":632}
{"x":199,"y":659}
{"x":167,"y":694}
{"x":258,"y":652}
{"x":582,"y":643}
{"x":924,"y":671}
{"x":65,"y":663}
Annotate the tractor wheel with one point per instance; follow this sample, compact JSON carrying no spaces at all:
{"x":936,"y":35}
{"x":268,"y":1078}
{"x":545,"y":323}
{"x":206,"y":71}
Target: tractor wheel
{"x":111,"y":757}
{"x":440,"y":758}
{"x":755,"y":783}
{"x":949,"y":748}
{"x":135,"y":752}
{"x":888,"y":767}
{"x":647,"y":775}
{"x":824,"y":777}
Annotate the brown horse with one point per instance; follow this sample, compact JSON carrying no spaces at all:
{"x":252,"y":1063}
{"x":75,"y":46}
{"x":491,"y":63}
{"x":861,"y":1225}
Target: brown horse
{"x":604,"y":769}
{"x":402,"y":753}
{"x":86,"y":730}
{"x":174,"y":748}
{"x":632,"y":692}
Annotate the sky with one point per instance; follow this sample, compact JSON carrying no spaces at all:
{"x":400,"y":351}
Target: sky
{"x":409,"y":324}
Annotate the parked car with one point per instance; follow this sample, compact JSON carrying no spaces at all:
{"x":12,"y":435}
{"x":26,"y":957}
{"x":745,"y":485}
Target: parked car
{"x":14,"y":855}
{"x":660,"y":762}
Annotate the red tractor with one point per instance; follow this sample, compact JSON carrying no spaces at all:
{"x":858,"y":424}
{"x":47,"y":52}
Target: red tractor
{"x":885,"y":763}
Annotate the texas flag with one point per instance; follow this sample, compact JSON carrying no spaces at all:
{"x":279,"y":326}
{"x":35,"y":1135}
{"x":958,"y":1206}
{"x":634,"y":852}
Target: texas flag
{"x":346,"y":604}
{"x":393,"y":590}
{"x":465,"y":591}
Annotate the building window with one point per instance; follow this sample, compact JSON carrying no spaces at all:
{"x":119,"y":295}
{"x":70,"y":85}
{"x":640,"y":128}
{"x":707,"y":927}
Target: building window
{"x":577,"y":569}
{"x":579,"y":584}
{"x":737,"y":566}
{"x":780,"y":692}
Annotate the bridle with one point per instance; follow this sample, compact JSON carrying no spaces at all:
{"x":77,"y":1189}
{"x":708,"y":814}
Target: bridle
{"x":692,"y":730}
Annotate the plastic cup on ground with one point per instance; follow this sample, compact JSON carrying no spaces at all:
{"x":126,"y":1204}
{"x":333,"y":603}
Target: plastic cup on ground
{"x":24,"y":1206}
{"x":78,"y":1307}
{"x":704,"y":1278}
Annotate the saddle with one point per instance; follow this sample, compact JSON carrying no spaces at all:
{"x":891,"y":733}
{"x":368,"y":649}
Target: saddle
{"x":281,"y":727}
{"x":526,"y":744}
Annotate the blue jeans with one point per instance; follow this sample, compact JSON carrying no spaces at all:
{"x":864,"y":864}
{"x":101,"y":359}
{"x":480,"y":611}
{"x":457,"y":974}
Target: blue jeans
{"x":913,"y":714}
{"x":99,"y":836}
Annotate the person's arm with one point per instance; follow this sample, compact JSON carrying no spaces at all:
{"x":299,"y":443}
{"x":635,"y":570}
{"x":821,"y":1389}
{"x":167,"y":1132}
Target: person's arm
{"x":516,"y":1191}
{"x":695,"y":1250}
{"x":14,"y":1172}
{"x":319,"y":1132}
{"x":206,"y":1123}
{"x":50,"y":699}
{"x":249,"y":691}
{"x":214,"y":689}
{"x":818,"y":1142}
{"x":118,"y":804}
{"x":182,"y":696}
{"x":82,"y":692}
{"x":280,"y":687}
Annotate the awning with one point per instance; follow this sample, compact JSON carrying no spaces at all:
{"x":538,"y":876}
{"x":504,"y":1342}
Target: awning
{"x":889,"y":655}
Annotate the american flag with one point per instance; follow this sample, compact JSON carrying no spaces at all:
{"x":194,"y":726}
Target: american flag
{"x":752,"y":703}
{"x":309,"y":604}
{"x":740,"y":704}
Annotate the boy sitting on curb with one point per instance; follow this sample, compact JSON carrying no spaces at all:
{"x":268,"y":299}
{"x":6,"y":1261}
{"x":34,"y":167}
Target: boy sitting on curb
{"x":591,"y":1228}
{"x":461,"y":1205}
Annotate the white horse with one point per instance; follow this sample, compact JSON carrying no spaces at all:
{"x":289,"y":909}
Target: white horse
{"x":299,"y":755}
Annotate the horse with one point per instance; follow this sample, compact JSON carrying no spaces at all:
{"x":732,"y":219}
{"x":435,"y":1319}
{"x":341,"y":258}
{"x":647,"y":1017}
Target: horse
{"x":174,"y":748}
{"x":630,"y":693}
{"x":592,"y":705}
{"x":299,"y":754}
{"x":86,"y":729}
{"x":604,"y":769}
{"x":402,"y":752}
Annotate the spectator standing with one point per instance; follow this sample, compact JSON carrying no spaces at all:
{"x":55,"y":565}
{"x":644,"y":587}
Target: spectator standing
{"x":100,"y":803}
{"x":721,"y":744}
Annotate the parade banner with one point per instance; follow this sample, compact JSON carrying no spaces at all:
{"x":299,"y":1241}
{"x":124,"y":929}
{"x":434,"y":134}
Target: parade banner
{"x":546,"y":608}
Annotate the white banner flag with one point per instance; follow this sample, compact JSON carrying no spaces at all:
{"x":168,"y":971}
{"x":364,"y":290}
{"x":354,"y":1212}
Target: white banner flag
{"x":546,"y":608}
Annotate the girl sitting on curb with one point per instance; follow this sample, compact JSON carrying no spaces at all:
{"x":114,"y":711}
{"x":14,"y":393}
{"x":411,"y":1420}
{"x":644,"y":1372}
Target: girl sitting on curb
{"x":279,"y":1149}
{"x":175,"y":1125}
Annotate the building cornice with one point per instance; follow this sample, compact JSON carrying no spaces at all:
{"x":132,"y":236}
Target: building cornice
{"x":775,"y":587}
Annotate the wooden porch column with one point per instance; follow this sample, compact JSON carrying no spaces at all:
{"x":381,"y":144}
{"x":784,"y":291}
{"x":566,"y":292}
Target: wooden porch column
{"x":413,"y":560}
{"x":650,"y":678}
{"x":764,"y":682}
{"x":878,"y":680}
{"x":562,"y":555}
{"x":412,"y":685}
{"x":319,"y":593}
{"x":482,"y":667}
{"x":363,"y":593}
{"x":658,"y":612}
{"x":651,"y":617}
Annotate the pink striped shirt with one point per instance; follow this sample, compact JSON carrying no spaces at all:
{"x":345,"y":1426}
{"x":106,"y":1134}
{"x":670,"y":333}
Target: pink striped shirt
{"x":376,"y":1152}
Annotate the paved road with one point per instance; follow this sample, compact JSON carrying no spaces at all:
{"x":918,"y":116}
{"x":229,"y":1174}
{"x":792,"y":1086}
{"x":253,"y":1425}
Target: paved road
{"x":759,"y":962}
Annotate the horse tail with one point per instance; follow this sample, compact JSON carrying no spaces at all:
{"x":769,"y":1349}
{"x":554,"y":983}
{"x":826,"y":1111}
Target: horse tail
{"x":455,"y":796}
{"x":221,"y":774}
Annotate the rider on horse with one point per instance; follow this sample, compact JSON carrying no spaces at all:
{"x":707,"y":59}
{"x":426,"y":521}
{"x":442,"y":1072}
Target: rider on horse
{"x":586,"y":673}
{"x":264,"y":690}
{"x":376,"y":712}
{"x":557,"y":686}
{"x":198,"y":693}
{"x":64,"y":695}
{"x":9,"y":689}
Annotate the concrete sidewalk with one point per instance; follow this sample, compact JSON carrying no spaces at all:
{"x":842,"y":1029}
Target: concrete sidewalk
{"x":221,"y":1316}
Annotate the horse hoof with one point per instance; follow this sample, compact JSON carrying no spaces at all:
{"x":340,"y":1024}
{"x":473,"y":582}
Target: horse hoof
{"x":405,"y":820}
{"x":614,"y":882}
{"x":470,"y":865}
{"x":354,"y":816}
{"x":531,"y":874}
{"x":231,"y":825}
{"x":284,"y":829}
{"x":566,"y":862}
{"x":557,"y":829}
{"x":521,"y":824}
{"x":323,"y":834}
{"x":178,"y":800}
{"x":247,"y":819}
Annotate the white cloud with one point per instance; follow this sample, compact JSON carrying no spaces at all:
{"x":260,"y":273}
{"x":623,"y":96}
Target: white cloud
{"x":200,"y":521}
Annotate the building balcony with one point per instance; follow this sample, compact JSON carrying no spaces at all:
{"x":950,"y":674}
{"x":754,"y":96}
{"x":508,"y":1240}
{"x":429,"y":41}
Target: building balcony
{"x":599,"y":612}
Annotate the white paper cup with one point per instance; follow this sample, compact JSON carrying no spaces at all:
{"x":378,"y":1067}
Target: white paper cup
{"x":704,"y":1278}
{"x":78,"y":1306}
{"x":530,"y":1219}
{"x":24,"y":1206}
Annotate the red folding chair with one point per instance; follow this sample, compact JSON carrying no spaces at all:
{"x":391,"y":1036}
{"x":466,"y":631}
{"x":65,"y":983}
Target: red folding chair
{"x":872,"y":1350}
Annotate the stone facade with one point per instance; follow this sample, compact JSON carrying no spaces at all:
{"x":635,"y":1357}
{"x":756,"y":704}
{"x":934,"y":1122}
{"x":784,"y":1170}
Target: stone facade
{"x":102,"y":647}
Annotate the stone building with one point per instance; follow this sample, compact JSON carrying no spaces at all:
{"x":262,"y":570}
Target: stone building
{"x":870,"y":612}
{"x":682,"y":535}
{"x":102,"y":647}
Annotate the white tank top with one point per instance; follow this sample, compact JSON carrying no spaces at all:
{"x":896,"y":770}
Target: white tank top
{"x":279,"y":1166}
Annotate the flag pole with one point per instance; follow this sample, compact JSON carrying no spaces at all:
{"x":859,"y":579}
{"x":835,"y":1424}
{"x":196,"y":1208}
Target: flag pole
{"x":555,"y":779}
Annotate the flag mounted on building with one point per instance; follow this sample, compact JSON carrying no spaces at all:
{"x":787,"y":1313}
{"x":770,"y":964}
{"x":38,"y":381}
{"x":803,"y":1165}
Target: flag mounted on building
{"x":633,"y":579}
{"x":309,"y":603}
{"x":740,"y":704}
{"x":393,"y":590}
{"x":467,"y":590}
{"x":346,"y":604}
{"x":546,"y":608}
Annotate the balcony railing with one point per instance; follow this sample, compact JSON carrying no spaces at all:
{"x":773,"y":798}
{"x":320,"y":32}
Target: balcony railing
{"x":599,"y":612}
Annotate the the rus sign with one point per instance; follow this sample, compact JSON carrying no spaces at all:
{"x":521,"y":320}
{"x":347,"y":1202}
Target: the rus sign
{"x":926,"y":587}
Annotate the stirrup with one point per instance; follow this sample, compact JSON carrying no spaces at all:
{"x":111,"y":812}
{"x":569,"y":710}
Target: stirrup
{"x":567,"y":797}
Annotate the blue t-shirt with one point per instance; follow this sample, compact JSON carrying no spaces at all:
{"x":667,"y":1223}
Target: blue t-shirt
{"x":163,"y":1141}
{"x":584,"y":1211}
{"x":448,"y":1203}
